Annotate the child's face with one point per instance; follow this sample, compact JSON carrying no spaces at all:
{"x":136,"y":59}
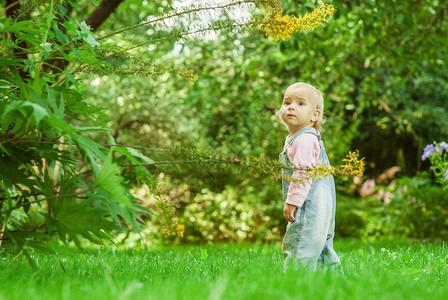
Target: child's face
{"x":298,"y":109}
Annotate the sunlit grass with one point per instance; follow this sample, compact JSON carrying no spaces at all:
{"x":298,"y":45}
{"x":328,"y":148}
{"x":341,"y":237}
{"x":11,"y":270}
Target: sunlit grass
{"x":376,"y":270}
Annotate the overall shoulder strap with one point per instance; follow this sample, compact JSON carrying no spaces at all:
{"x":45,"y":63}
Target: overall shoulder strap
{"x":304,"y":130}
{"x":295,"y":135}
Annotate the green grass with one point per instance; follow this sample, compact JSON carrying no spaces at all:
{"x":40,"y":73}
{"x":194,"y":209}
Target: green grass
{"x":375,"y":270}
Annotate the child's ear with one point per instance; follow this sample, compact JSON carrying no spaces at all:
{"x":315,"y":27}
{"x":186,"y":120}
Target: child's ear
{"x":316,"y":115}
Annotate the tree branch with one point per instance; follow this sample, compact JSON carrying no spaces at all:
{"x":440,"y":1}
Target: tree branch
{"x":11,"y":7}
{"x":174,"y":35}
{"x":74,"y":195}
{"x":176,"y":14}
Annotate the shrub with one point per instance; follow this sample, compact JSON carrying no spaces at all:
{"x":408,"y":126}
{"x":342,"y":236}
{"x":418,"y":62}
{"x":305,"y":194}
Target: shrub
{"x":231,"y":215}
{"x":417,"y":209}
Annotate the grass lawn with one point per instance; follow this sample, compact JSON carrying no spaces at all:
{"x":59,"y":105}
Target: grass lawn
{"x":373,"y":270}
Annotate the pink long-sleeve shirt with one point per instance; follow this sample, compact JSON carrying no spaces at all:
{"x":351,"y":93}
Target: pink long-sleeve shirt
{"x":304,"y":152}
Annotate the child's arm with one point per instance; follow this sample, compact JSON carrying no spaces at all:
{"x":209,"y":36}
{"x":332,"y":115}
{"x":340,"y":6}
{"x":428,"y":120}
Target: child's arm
{"x":305,"y":152}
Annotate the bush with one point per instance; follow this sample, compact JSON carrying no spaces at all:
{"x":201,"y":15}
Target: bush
{"x":231,"y":215}
{"x":411,"y":207}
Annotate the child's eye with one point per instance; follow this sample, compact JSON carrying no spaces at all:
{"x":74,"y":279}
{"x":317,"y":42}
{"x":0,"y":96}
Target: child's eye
{"x":302,"y":103}
{"x":286,"y":103}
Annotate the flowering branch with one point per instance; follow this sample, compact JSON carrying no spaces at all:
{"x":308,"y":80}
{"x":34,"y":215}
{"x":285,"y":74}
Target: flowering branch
{"x":438,"y":156}
{"x":283,"y":26}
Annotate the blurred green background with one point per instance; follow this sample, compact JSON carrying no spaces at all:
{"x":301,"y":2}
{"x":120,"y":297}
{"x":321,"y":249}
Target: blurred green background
{"x":382,"y":68}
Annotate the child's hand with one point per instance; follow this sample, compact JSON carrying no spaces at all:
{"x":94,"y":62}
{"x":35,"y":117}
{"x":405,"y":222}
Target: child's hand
{"x":288,"y":212}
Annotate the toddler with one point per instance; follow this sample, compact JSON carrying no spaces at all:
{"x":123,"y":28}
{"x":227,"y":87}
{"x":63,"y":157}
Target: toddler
{"x":309,"y":207}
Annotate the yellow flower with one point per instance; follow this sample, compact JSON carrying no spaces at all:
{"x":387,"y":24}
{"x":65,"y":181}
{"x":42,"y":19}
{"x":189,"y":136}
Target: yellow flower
{"x":280,"y":26}
{"x":180,"y":228}
{"x":353,"y":165}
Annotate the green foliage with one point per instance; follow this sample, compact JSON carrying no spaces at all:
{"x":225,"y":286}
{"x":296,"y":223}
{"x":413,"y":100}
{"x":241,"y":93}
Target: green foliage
{"x":56,"y":182}
{"x":205,"y":216}
{"x":438,"y":156}
{"x":62,"y":176}
{"x":421,"y":207}
{"x":226,"y":216}
{"x":412,"y":207}
{"x":382,"y":82}
{"x":380,"y":66}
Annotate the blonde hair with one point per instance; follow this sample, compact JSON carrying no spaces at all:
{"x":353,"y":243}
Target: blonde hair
{"x":318,"y":100}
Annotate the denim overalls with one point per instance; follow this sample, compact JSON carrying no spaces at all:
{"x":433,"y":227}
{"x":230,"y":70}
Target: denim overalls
{"x":308,"y":240}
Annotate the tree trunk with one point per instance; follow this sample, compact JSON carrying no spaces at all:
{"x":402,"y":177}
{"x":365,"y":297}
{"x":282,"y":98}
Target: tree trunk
{"x":102,"y":12}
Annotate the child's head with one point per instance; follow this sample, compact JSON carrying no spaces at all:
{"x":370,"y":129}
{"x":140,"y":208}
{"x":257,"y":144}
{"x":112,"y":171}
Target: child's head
{"x":299,"y":96}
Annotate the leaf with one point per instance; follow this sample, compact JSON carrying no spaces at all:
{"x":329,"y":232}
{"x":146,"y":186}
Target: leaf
{"x":46,"y":186}
{"x":67,"y":185}
{"x":70,"y":77}
{"x":38,"y":112}
{"x":76,"y":107}
{"x":91,"y":149}
{"x":109,"y":179}
{"x":23,"y":26}
{"x":90,"y":222}
{"x":144,"y":158}
{"x":6,"y":86}
{"x":58,"y":109}
{"x":60,"y":125}
{"x":87,"y":35}
{"x":130,"y":214}
{"x":132,"y":154}
{"x":46,"y":47}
